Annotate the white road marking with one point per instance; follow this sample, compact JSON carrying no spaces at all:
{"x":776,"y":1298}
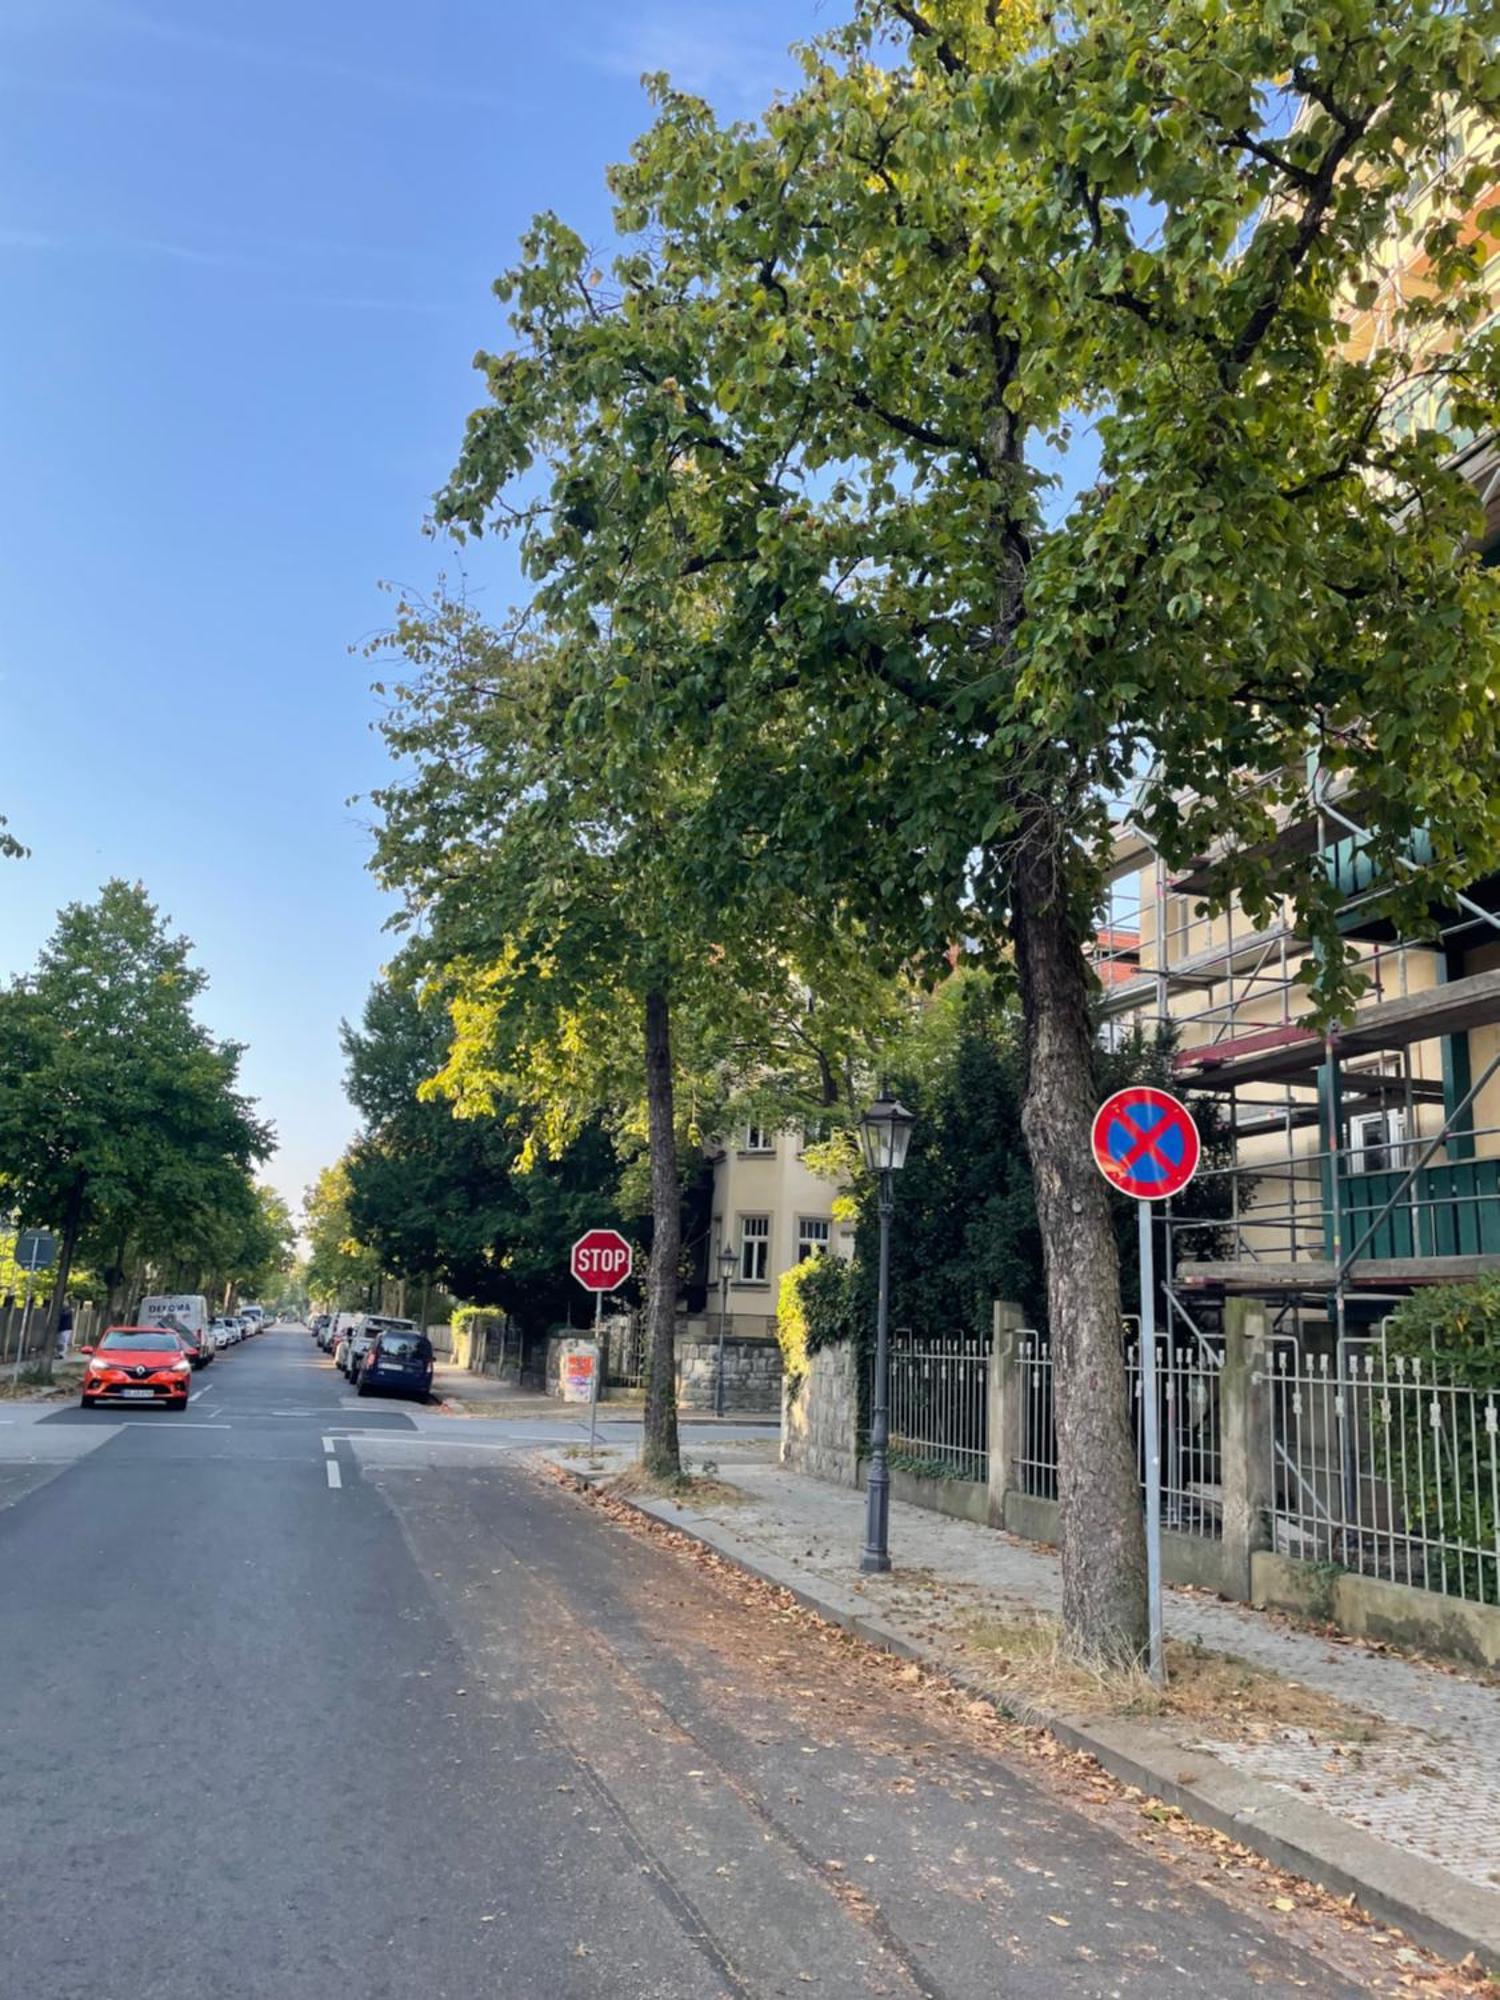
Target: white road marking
{"x":195,"y":1395}
{"x":194,"y":1425}
{"x":454,"y":1444}
{"x":329,"y":1446}
{"x":331,"y":1466}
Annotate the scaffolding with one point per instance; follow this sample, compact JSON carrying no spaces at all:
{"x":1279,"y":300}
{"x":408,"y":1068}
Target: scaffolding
{"x":1361,"y":1167}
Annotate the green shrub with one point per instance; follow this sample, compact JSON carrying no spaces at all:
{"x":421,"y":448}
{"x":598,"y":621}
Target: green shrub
{"x":1454,"y":1329}
{"x":1452,"y":1334}
{"x":814,"y":1309}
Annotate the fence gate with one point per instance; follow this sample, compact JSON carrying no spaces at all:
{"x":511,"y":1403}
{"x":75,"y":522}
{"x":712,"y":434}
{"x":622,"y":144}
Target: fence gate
{"x":1382,"y":1468}
{"x":940,"y":1404}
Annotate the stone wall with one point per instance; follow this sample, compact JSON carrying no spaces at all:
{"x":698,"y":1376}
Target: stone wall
{"x":752,"y":1375}
{"x":820,"y":1418}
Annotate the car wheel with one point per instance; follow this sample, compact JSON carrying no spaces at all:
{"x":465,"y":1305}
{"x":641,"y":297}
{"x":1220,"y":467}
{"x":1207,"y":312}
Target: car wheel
{"x":363,"y":1388}
{"x":87,"y":1402}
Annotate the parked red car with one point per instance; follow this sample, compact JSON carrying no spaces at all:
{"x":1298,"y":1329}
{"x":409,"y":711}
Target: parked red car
{"x":137,"y":1364}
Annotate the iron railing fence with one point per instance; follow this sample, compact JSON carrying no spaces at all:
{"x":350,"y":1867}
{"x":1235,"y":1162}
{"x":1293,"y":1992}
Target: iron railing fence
{"x":940,"y":1404}
{"x":1035,"y":1470}
{"x":1382,"y":1467}
{"x":1188,"y":1421}
{"x":625,"y":1350}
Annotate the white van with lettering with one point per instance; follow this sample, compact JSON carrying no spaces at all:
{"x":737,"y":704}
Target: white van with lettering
{"x":187,"y":1315}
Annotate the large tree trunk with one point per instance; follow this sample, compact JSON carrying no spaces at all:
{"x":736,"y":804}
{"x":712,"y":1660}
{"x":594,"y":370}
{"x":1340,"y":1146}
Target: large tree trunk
{"x":1102,"y":1532}
{"x":659,"y":1453}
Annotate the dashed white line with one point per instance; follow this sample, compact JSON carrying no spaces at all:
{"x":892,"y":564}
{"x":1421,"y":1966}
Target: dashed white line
{"x":329,"y":1446}
{"x":195,"y":1395}
{"x":331,"y":1466}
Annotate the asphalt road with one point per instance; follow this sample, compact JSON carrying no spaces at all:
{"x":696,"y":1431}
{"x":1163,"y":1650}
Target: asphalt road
{"x":304,"y":1696}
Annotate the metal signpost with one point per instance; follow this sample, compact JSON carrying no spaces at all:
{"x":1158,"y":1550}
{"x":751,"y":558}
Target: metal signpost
{"x":600,"y":1261}
{"x":36,"y":1250}
{"x":1146,"y":1145}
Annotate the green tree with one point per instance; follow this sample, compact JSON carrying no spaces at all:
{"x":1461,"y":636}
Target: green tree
{"x":551,"y":839}
{"x":455,"y":1198}
{"x":799,"y":420}
{"x":341,"y":1270}
{"x":115,"y":1103}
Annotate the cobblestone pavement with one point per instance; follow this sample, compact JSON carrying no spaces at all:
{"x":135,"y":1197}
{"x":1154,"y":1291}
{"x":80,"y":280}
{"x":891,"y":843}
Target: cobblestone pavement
{"x":1428,"y":1784}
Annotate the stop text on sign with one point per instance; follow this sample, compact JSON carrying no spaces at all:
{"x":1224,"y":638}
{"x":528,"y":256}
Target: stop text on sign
{"x":601,"y":1260}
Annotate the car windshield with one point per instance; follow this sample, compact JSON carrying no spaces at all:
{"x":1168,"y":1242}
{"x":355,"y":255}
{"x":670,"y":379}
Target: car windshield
{"x":136,"y":1343}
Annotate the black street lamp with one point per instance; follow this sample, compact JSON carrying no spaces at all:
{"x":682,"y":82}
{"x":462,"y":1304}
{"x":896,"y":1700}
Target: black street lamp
{"x":885,"y":1133}
{"x":727,"y":1262}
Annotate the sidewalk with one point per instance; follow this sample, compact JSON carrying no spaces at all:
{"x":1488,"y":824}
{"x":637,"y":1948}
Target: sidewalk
{"x":1401,"y":1808}
{"x":463,"y":1393}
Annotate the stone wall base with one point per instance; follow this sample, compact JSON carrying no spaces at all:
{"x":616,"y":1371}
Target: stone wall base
{"x":1371,"y":1608}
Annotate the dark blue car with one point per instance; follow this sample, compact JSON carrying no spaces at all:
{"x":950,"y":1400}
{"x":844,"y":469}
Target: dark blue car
{"x":397,"y":1363}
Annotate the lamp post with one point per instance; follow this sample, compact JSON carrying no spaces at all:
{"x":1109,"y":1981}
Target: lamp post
{"x":727,"y":1262}
{"x":885,"y":1133}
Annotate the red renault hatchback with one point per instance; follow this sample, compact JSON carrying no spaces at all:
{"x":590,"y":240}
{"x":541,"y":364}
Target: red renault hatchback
{"x":137,"y":1364}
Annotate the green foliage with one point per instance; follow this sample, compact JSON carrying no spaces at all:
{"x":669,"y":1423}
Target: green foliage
{"x":13,"y":1277}
{"x":119,"y":1115}
{"x":795,"y":424}
{"x":341,"y":1270}
{"x":461,"y":1199}
{"x":1451,"y":1334}
{"x":965,"y":1231}
{"x":814,"y":1309}
{"x":1452,"y":1329}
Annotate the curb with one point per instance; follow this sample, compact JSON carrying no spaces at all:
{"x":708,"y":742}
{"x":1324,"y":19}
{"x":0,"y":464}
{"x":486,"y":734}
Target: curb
{"x":1448,"y":1916}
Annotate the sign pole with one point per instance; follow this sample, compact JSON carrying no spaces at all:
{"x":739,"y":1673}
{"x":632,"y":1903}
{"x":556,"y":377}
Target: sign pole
{"x":31,"y":1268}
{"x":1146,"y":1145}
{"x":598,"y":1367}
{"x":1151,"y":1439}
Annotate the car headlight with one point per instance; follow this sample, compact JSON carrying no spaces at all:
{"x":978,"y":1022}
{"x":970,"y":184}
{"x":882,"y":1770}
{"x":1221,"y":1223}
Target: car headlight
{"x":183,"y":1367}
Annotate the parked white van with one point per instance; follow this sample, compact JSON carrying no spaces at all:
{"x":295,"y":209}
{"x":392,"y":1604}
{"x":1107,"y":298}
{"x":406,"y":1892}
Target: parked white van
{"x":186,"y":1313}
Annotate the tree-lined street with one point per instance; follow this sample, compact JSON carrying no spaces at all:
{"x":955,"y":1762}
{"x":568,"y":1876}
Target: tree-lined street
{"x":443,"y":1728}
{"x":909,"y":898}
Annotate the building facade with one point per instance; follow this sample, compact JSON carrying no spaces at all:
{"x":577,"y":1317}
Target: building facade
{"x":770,"y":1211}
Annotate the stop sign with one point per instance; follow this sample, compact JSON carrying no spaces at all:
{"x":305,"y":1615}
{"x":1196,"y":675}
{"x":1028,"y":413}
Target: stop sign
{"x":601,"y":1260}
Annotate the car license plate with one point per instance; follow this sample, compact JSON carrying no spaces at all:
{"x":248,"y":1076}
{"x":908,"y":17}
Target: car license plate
{"x":139,"y":1395}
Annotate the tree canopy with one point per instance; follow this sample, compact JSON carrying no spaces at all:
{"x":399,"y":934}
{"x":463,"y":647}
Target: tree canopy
{"x":463,"y":1200}
{"x":775,"y":474}
{"x":119,"y":1114}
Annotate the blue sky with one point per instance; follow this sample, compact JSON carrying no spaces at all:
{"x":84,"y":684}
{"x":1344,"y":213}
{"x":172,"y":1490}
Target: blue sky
{"x":245,"y":254}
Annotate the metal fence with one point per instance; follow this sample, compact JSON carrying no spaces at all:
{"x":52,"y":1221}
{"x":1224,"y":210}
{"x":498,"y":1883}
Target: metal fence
{"x":1189,"y":1427}
{"x":625,"y":1350}
{"x":1382,"y":1468}
{"x":939,"y":1404}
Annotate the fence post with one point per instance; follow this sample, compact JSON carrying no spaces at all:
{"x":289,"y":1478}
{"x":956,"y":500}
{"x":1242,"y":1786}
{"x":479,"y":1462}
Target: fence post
{"x":1245,"y":1441}
{"x":1003,"y":1393}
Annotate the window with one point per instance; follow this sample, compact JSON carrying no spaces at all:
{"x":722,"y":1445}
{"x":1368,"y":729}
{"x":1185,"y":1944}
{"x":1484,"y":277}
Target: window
{"x":755,"y":1249}
{"x":1377,"y":1142}
{"x":812,"y":1236}
{"x":759,"y":1139}
{"x":815,"y":1132}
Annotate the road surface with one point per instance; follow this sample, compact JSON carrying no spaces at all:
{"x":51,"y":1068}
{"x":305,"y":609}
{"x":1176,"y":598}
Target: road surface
{"x":309,"y":1696}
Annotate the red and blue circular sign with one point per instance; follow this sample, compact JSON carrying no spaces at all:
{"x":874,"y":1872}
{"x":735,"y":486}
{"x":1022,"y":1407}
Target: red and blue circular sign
{"x":1145,"y":1143}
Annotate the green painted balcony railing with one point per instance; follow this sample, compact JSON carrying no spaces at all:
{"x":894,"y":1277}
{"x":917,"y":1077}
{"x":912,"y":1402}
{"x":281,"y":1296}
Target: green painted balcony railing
{"x":1452,"y":1210}
{"x":1352,"y":868}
